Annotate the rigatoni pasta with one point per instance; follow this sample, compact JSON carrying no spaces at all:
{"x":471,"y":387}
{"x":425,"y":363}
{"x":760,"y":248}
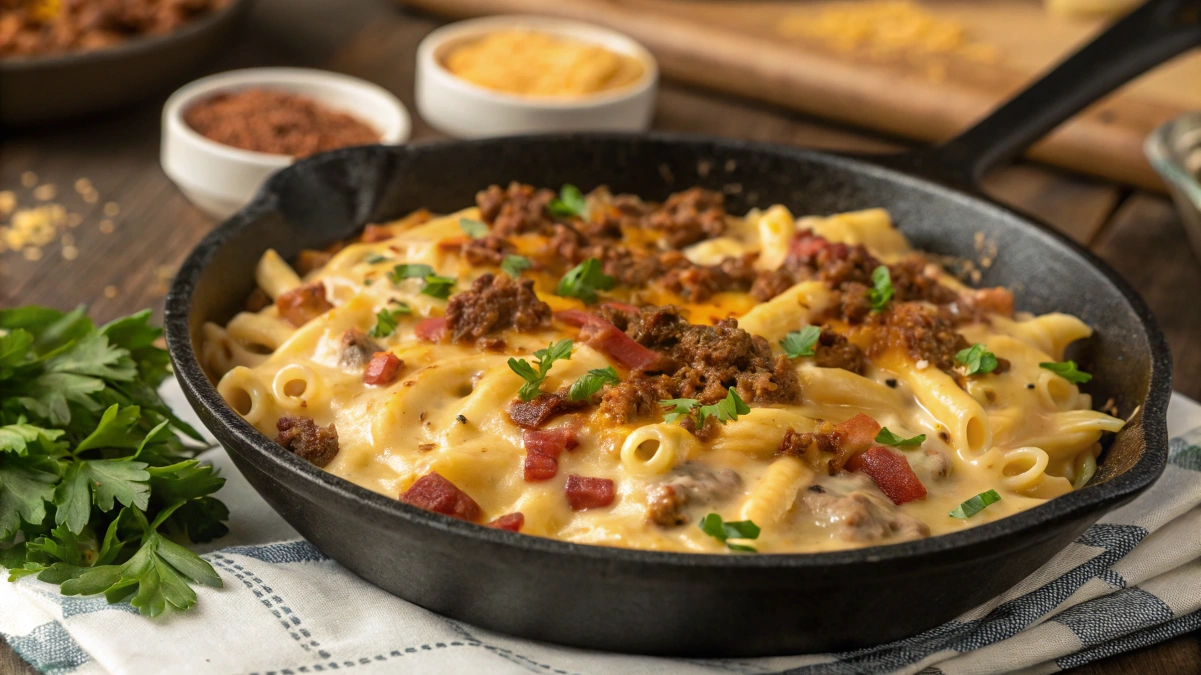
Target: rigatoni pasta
{"x":603,"y":369}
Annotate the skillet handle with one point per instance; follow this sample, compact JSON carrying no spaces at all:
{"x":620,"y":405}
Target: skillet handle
{"x":1148,"y":36}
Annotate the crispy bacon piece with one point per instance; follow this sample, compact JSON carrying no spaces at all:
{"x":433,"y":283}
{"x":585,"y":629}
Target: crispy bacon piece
{"x":510,"y":521}
{"x":542,"y":450}
{"x":373,"y":234}
{"x":382,"y":368}
{"x":891,"y":472}
{"x":539,"y":467}
{"x":805,"y":246}
{"x":303,"y":303}
{"x":606,"y":337}
{"x":434,"y":493}
{"x":575,"y":317}
{"x":551,"y":441}
{"x":544,"y":407}
{"x":851,"y":438}
{"x":432,"y":329}
{"x":589,"y":493}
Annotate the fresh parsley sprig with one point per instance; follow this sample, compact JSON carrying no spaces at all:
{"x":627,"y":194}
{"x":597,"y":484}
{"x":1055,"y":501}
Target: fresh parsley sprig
{"x":1067,"y":370}
{"x":722,"y":531}
{"x":514,"y":265}
{"x":569,"y":203}
{"x":544,"y":359}
{"x":887,"y":437}
{"x":473,"y":228}
{"x":802,"y":342}
{"x":976,"y":360}
{"x":96,"y":485}
{"x":387,"y":318}
{"x":882,"y":291}
{"x":435,"y":286}
{"x":726,"y":410}
{"x":975,"y":505}
{"x":584,"y":280}
{"x":592,"y":382}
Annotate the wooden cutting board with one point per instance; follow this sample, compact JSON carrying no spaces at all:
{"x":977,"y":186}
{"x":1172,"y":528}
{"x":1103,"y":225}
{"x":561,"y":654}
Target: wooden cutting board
{"x":764,"y":49}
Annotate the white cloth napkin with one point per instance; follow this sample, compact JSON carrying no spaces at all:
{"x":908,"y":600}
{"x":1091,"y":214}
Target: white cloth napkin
{"x":1131,"y":580}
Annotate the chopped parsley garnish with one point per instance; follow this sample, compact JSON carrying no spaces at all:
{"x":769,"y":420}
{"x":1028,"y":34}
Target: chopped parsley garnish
{"x":545,"y":358}
{"x":374,"y":258}
{"x":726,"y":410}
{"x":802,"y":342}
{"x":886,"y":437}
{"x":678,"y":408}
{"x":438,"y":287}
{"x":883,"y":291}
{"x":1067,"y":370}
{"x":473,"y":228}
{"x":976,"y":360}
{"x":93,"y":469}
{"x":514,"y":265}
{"x":406,"y":271}
{"x":975,"y":505}
{"x":713,"y":526}
{"x":385,"y":320}
{"x":584,"y":280}
{"x":592,"y":383}
{"x":570,"y":202}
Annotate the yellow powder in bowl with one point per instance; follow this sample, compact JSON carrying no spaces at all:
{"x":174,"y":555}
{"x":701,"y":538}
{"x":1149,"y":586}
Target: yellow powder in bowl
{"x":538,"y":64}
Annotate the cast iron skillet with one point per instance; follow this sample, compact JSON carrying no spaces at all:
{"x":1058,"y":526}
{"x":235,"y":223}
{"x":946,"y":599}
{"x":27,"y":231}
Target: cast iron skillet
{"x":40,"y":89}
{"x":670,"y":603}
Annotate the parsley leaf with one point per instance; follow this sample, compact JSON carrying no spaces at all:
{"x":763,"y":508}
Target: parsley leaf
{"x":975,"y":505}
{"x":713,"y":526}
{"x":883,"y":291}
{"x":888,"y":438}
{"x":1067,"y":370}
{"x":570,"y":202}
{"x":545,"y":358}
{"x":725,"y":410}
{"x":678,"y":408}
{"x":514,"y":265}
{"x":584,"y":280}
{"x":406,"y":271}
{"x":977,"y":360}
{"x":802,"y":342}
{"x":385,"y":320}
{"x":374,"y":259}
{"x":82,"y":427}
{"x":438,"y":287}
{"x":592,"y":383}
{"x":473,"y":228}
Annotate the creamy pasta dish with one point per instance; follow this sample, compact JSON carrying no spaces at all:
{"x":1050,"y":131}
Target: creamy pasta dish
{"x":607,"y":370}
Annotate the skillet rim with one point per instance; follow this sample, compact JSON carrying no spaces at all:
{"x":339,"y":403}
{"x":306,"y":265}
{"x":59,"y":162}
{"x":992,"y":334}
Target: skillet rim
{"x":202,"y":393}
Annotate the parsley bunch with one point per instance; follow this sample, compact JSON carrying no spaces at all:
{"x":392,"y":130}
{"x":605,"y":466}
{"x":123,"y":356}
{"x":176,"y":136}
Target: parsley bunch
{"x":545,"y":358}
{"x":96,"y":485}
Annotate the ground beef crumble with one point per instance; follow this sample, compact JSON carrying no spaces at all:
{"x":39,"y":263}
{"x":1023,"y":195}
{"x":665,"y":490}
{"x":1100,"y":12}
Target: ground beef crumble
{"x":495,"y":303}
{"x":516,"y":210}
{"x":707,"y":360}
{"x":301,"y":436}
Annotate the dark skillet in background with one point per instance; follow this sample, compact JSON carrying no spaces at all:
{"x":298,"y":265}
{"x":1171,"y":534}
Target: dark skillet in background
{"x":51,"y":88}
{"x":718,"y":605}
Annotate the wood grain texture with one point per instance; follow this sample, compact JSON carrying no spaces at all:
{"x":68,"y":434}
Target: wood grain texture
{"x":157,"y":226}
{"x":740,"y":47}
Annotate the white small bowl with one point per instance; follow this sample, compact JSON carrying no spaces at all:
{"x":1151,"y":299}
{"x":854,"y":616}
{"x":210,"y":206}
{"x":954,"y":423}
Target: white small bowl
{"x":221,"y":179}
{"x":459,"y":108}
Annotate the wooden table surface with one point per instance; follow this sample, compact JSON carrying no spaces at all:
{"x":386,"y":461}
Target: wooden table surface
{"x":125,"y":264}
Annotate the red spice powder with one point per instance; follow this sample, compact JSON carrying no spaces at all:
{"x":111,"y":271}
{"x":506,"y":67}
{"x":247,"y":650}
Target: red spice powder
{"x":264,"y":120}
